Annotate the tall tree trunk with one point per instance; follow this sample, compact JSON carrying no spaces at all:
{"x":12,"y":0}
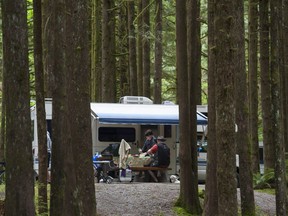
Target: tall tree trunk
{"x":266,"y":86}
{"x":194,"y":57}
{"x":139,"y":48}
{"x":48,"y":44}
{"x":108,"y":52}
{"x":241,"y":115}
{"x":146,"y":47}
{"x":19,"y":163}
{"x":285,"y":72}
{"x":158,"y":53}
{"x":78,"y":94}
{"x":40,"y":108}
{"x":277,"y":112}
{"x":122,"y":46}
{"x":185,"y":198}
{"x":61,"y":163}
{"x":96,"y":70}
{"x":225,"y":117}
{"x":253,"y":84}
{"x":132,"y":48}
{"x":211,"y":194}
{"x":193,"y":38}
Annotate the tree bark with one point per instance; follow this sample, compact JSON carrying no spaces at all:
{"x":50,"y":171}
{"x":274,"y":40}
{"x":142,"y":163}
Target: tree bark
{"x":139,"y":48}
{"x":241,"y":115}
{"x":158,"y":53}
{"x":96,"y":70}
{"x":253,"y":84}
{"x":132,"y":49}
{"x":277,"y":110}
{"x":193,"y":52}
{"x":108,"y":52}
{"x":48,"y":44}
{"x":194,"y":56}
{"x":225,"y":108}
{"x":185,"y":198}
{"x":40,"y":108}
{"x":61,"y":198}
{"x":122,"y":47}
{"x":269,"y":159}
{"x":78,"y":94}
{"x":211,"y":194}
{"x":146,"y":47}
{"x":19,"y":189}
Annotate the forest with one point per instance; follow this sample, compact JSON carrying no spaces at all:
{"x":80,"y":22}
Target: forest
{"x":229,"y":55}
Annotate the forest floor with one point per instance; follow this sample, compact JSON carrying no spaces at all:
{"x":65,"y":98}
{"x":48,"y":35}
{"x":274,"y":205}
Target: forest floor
{"x":155,"y":199}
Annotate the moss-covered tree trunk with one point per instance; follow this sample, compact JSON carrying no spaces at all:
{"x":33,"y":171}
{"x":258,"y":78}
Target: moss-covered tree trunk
{"x":211,"y":192}
{"x":241,"y":115}
{"x":225,"y":45}
{"x":62,"y":169}
{"x":78,"y":94}
{"x":96,"y":70}
{"x":194,"y":69}
{"x":19,"y":191}
{"x":185,"y":198}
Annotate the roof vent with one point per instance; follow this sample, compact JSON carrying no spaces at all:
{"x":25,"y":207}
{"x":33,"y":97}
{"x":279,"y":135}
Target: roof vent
{"x":135,"y":100}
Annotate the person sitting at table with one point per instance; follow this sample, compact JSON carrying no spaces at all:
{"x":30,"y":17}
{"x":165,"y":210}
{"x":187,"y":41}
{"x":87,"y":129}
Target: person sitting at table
{"x":160,"y":153}
{"x":149,"y":142}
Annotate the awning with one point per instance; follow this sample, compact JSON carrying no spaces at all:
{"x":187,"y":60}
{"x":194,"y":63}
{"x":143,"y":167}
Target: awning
{"x":152,"y":114}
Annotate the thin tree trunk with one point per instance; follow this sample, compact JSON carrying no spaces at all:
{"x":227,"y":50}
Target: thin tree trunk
{"x":139,"y":48}
{"x":123,"y":56}
{"x":277,"y":112}
{"x":96,"y":70}
{"x":193,"y":37}
{"x":146,"y":48}
{"x":185,"y":199}
{"x":211,"y":194}
{"x":108,"y":52}
{"x":266,"y":86}
{"x":158,"y":53}
{"x":132,"y":49}
{"x":48,"y":44}
{"x":241,"y":113}
{"x":253,"y":84}
{"x":40,"y":108}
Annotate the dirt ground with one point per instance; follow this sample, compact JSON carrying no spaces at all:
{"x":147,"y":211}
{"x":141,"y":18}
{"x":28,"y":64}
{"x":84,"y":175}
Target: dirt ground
{"x":154,"y":199}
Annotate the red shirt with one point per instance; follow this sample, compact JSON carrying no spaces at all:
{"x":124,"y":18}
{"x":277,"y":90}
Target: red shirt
{"x":154,"y":149}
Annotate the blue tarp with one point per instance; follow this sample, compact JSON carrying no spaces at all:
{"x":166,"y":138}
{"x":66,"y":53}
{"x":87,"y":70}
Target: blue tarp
{"x":152,"y":114}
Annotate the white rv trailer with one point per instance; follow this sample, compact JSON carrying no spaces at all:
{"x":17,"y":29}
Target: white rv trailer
{"x":111,"y":122}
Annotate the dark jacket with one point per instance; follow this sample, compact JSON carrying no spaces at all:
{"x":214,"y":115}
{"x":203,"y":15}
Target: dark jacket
{"x":148,"y":144}
{"x":162,"y":156}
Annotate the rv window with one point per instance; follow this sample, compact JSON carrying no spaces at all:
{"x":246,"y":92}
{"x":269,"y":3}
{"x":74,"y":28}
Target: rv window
{"x":167,"y":131}
{"x":116,"y":134}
